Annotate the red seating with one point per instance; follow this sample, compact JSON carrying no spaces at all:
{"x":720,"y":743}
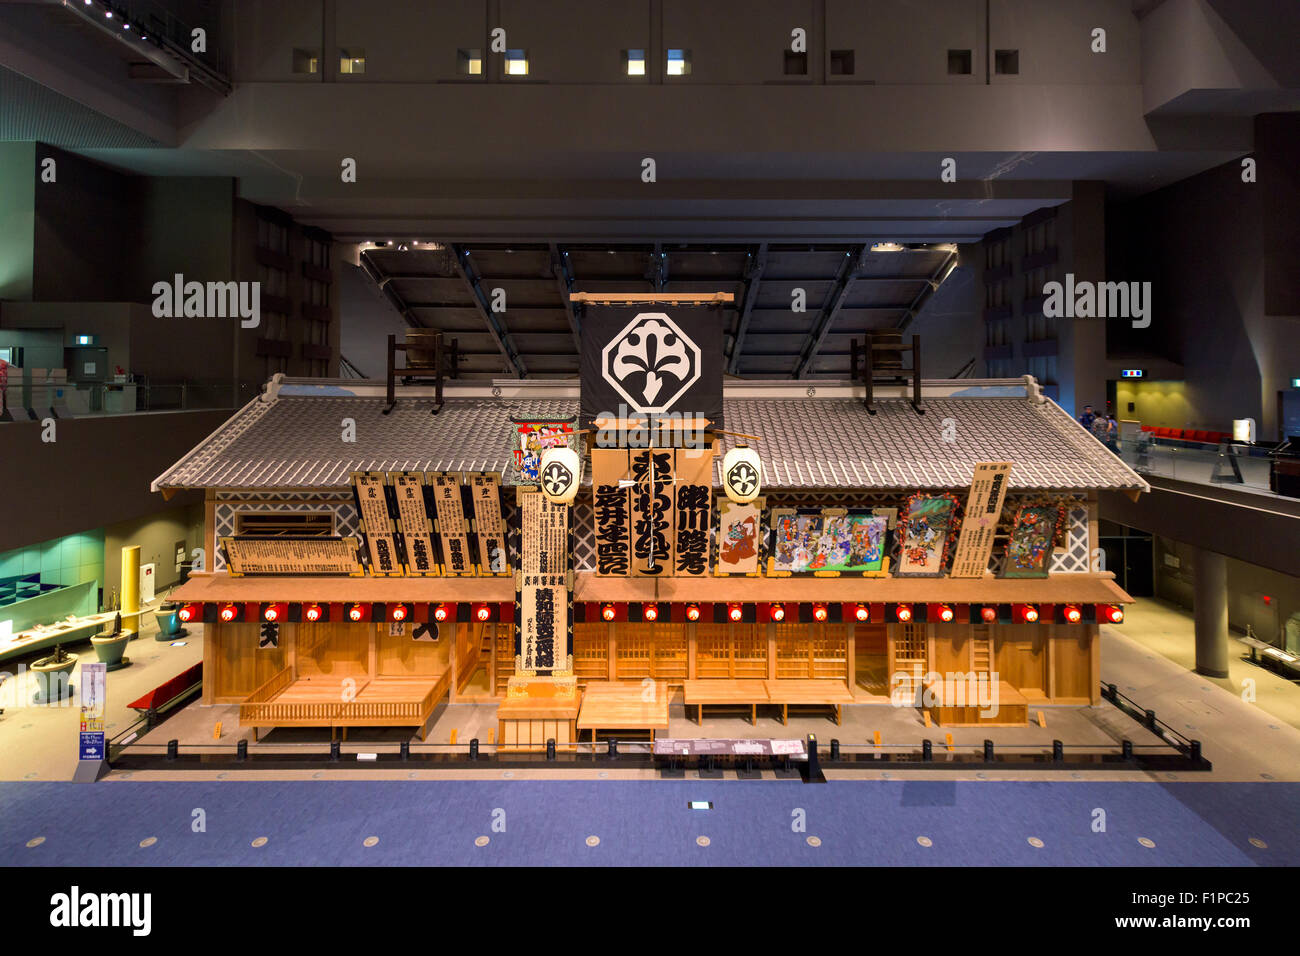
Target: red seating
{"x":169,"y":689}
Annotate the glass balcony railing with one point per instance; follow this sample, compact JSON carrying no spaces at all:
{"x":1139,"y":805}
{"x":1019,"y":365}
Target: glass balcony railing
{"x":123,"y":398}
{"x":1220,"y":465}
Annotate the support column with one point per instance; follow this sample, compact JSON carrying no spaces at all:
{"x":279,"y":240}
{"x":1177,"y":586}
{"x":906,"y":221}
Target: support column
{"x":1211,"y":610}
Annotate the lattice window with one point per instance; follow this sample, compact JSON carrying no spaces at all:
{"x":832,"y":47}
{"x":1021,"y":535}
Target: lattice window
{"x":632,"y":650}
{"x":227,"y":513}
{"x":591,"y":651}
{"x":830,"y":651}
{"x":794,"y":650}
{"x":910,"y":645}
{"x":730,"y":650}
{"x":668,"y":652}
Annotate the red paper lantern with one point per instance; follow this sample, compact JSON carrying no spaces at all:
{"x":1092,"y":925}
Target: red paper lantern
{"x":607,"y":612}
{"x":190,"y":612}
{"x":819,"y":613}
{"x":1072,"y":614}
{"x":228,"y":613}
{"x":482,"y":613}
{"x":650,"y":612}
{"x":441,"y":613}
{"x":945,"y":613}
{"x":1029,"y":614}
{"x":734,"y":612}
{"x":312,"y":612}
{"x":776,"y":612}
{"x":356,"y":613}
{"x":1115,"y":614}
{"x":989,"y":613}
{"x":399,"y":612}
{"x":904,"y":613}
{"x":692,"y":612}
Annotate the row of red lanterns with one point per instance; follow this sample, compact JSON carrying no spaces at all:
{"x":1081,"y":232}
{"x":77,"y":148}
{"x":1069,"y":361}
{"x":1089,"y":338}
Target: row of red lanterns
{"x":862,"y":613}
{"x":399,"y":612}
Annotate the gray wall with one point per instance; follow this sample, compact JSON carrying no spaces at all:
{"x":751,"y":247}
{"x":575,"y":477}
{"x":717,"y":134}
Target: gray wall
{"x":17,"y":218}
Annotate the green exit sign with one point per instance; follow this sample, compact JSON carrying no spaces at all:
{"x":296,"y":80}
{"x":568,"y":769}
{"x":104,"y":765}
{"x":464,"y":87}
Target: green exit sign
{"x":1295,"y":383}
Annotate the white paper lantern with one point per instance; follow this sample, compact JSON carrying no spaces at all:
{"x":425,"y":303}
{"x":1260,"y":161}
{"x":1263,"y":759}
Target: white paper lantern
{"x":742,"y":474}
{"x":560,"y":474}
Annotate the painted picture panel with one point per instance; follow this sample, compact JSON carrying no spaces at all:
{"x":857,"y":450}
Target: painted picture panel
{"x":738,"y":537}
{"x":1033,"y":535}
{"x":852,"y":544}
{"x":926,"y":530}
{"x":795,"y":539}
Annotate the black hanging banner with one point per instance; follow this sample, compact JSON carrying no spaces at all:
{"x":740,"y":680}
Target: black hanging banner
{"x":651,"y":359}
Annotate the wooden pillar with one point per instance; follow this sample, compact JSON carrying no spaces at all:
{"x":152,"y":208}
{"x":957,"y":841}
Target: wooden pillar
{"x":492,"y":660}
{"x":612,"y":651}
{"x":771,"y":650}
{"x":291,"y":648}
{"x":372,"y":658}
{"x":211,"y":640}
{"x":690,"y":652}
{"x":453,"y":660}
{"x":1049,"y":660}
{"x":850,"y":656}
{"x":1094,"y":642}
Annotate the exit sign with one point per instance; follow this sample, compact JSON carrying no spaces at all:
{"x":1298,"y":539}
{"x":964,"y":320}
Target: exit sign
{"x":1295,"y":383}
{"x":1131,"y":373}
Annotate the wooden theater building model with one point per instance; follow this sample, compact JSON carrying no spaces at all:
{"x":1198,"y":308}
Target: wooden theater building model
{"x":576,"y":554}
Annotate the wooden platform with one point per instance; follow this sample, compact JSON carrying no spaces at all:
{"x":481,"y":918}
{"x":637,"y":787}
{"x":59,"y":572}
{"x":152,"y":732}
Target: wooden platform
{"x":799,"y":692}
{"x":317,"y":701}
{"x":622,"y":705}
{"x":526,"y":723}
{"x":957,"y":705}
{"x":731,"y":694}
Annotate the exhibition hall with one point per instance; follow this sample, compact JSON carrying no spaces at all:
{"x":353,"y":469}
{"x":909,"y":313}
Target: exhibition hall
{"x":650,"y":433}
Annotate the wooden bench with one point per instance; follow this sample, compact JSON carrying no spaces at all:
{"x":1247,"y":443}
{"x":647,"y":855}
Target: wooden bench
{"x":621,"y":705}
{"x":526,"y":723}
{"x":809,"y":692}
{"x":957,"y":704}
{"x":733,"y":694}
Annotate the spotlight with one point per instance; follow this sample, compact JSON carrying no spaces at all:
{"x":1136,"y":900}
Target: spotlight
{"x":904,"y":612}
{"x":819,"y":613}
{"x":312,"y":612}
{"x":1072,"y":614}
{"x":692,"y":612}
{"x":945,"y":613}
{"x":989,"y":613}
{"x":734,"y":613}
{"x":190,"y":612}
{"x":650,"y":612}
{"x":228,"y":613}
{"x":355,"y":612}
{"x":482,"y":613}
{"x":441,"y":613}
{"x":399,"y":612}
{"x":863,"y":613}
{"x":1115,"y":614}
{"x":1029,"y":614}
{"x":776,"y":612}
{"x":607,"y":612}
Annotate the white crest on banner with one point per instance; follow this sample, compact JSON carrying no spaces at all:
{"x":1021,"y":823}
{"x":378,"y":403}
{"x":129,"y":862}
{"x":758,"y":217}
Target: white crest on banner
{"x":653,"y":345}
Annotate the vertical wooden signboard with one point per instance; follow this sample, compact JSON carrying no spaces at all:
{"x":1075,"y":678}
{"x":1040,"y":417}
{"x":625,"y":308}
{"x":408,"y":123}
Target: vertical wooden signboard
{"x":693,"y":503}
{"x":612,"y":500}
{"x":652,"y":511}
{"x":417,"y":529}
{"x":489,"y":526}
{"x":543,"y":597}
{"x":739,"y":541}
{"x":988,"y":491}
{"x":377,"y":522}
{"x":453,"y":529}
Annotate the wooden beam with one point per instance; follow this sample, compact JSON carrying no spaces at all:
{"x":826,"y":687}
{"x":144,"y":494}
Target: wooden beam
{"x":564,"y":282}
{"x":495,"y":329}
{"x":753,"y":278}
{"x":645,"y":298}
{"x":831,"y":308}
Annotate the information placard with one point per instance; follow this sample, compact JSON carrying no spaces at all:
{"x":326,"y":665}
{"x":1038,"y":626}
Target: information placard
{"x":417,"y":529}
{"x":453,"y":529}
{"x":278,"y":554}
{"x":988,"y":491}
{"x":489,"y":525}
{"x":94,"y":685}
{"x":377,"y":522}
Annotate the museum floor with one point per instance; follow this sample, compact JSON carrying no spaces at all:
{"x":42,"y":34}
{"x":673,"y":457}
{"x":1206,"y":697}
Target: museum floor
{"x":1241,"y":813}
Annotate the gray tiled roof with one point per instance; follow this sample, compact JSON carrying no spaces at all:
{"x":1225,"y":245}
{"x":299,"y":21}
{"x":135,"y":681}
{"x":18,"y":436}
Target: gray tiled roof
{"x":296,"y":442}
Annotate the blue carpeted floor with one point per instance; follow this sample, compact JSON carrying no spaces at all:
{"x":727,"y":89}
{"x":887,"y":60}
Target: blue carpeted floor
{"x":647,"y":823}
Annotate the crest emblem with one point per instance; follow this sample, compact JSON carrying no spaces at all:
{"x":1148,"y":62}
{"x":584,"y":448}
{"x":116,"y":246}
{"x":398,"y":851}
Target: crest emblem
{"x":651,"y":362}
{"x":743,"y":478}
{"x":556,"y":479}
{"x":742,"y":474}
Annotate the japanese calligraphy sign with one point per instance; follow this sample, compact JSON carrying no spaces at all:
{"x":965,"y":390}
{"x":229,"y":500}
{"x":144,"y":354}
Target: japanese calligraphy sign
{"x":248,"y":554}
{"x":693,"y":502}
{"x":453,"y":529}
{"x":988,"y":491}
{"x":417,"y":537}
{"x":377,"y":522}
{"x":543,"y":600}
{"x":652,"y":512}
{"x":489,"y":526}
{"x":544,"y":537}
{"x":612,"y":500}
